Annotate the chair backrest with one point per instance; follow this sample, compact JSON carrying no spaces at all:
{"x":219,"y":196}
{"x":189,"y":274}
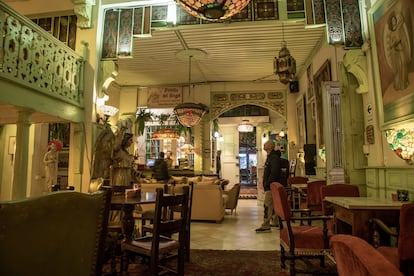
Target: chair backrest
{"x":336,"y":190}
{"x":354,"y":256}
{"x":297,"y":180}
{"x":406,"y":233}
{"x":313,"y":195}
{"x":233,"y":196}
{"x":280,"y":201}
{"x":165,"y":224}
{"x":61,"y":233}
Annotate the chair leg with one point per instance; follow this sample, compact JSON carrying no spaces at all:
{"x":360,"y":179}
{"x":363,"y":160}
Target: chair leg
{"x":282,"y":257}
{"x":124,"y":263}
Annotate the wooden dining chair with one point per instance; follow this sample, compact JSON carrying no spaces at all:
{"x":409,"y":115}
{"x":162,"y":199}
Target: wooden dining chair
{"x":313,"y":196}
{"x":162,"y":242}
{"x":179,"y":189}
{"x":298,"y":242}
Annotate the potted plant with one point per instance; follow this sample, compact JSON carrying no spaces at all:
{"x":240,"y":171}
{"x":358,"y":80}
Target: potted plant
{"x":141,"y":117}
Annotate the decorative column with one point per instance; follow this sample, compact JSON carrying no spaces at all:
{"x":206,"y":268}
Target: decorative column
{"x":332,"y":126}
{"x":21,"y":160}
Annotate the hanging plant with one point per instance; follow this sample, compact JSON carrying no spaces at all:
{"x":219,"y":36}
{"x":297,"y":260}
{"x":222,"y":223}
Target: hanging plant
{"x":141,"y":117}
{"x":182,"y":129}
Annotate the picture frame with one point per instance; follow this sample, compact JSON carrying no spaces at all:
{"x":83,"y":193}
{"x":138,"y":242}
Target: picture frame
{"x":310,"y":93}
{"x":392,"y":20}
{"x":323,"y":74}
{"x":301,"y":119}
{"x":12,"y":145}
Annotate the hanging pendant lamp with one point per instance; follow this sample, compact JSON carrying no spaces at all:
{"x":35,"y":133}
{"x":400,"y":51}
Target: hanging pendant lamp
{"x":285,"y":65}
{"x":190,"y":114}
{"x":213,"y":10}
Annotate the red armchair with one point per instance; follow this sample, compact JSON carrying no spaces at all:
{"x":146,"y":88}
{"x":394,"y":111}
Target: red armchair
{"x":298,"y":242}
{"x":401,"y":256}
{"x":354,"y":256}
{"x":313,"y":196}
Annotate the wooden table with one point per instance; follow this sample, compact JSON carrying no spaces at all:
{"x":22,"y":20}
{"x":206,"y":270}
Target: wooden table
{"x":297,"y":190}
{"x":127,"y":206}
{"x":352,"y":214}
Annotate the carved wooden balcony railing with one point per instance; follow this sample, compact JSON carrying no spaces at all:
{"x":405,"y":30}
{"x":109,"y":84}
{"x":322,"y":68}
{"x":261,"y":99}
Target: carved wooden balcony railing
{"x":35,"y":59}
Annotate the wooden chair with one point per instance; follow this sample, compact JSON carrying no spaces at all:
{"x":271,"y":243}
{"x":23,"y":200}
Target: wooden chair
{"x":179,"y":189}
{"x":335,"y":190}
{"x":402,"y":256}
{"x":61,"y":233}
{"x":162,"y":242}
{"x":298,"y":242}
{"x":354,"y":256}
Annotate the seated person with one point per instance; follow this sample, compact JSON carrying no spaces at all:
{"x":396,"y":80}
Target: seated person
{"x":160,"y":169}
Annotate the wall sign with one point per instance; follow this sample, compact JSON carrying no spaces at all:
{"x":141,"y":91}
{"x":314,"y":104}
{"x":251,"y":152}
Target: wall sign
{"x":159,"y":97}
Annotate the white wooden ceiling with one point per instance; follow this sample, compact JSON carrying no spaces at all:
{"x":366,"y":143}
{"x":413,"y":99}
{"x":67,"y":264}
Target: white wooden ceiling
{"x":234,"y":52}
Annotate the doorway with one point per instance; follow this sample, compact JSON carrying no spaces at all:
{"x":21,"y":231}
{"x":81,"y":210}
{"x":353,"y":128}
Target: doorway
{"x":248,"y":159}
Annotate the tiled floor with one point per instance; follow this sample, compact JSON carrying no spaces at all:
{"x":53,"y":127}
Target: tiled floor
{"x":236,"y":232}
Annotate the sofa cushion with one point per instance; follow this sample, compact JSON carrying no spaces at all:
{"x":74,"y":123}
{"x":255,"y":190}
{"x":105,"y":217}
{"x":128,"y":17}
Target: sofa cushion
{"x":206,"y":182}
{"x":194,"y":179}
{"x":206,"y":178}
{"x":179,"y":179}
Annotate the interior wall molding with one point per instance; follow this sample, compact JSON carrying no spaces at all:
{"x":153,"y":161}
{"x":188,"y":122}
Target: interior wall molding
{"x":355,"y":62}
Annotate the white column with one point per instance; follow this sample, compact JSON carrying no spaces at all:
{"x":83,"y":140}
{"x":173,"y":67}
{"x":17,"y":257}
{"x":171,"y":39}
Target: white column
{"x":21,"y":160}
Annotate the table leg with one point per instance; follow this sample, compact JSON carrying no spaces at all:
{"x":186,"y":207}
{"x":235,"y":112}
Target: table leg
{"x":128,"y":222}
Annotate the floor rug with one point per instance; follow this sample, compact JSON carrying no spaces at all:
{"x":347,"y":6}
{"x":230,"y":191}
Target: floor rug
{"x":234,"y":262}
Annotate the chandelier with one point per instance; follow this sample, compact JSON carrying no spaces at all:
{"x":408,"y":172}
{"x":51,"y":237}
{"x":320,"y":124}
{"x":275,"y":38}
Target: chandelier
{"x":285,"y":65}
{"x":190,"y":114}
{"x":165,"y":134}
{"x":245,"y":126}
{"x":213,"y":10}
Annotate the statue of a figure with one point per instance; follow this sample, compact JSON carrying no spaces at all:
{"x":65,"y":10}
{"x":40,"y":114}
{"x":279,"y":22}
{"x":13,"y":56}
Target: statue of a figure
{"x":123,"y":161}
{"x":50,"y":159}
{"x":103,"y":155}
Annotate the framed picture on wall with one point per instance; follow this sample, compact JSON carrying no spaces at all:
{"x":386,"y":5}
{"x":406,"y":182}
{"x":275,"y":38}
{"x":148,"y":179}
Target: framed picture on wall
{"x":391,"y":26}
{"x":301,"y":121}
{"x":310,"y":91}
{"x":323,"y":74}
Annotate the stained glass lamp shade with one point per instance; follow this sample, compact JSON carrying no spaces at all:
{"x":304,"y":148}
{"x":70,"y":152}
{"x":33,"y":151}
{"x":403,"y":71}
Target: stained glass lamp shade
{"x":401,"y":141}
{"x":213,"y":10}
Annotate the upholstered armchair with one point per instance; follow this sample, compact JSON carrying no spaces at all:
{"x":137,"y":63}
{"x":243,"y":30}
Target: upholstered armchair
{"x":313,"y":196}
{"x":232,"y":197}
{"x":401,"y":256}
{"x":61,"y":233}
{"x":356,"y":257}
{"x":298,"y":242}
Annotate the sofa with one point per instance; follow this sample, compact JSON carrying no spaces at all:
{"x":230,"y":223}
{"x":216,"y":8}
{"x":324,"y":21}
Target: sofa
{"x":209,"y":199}
{"x":209,"y":203}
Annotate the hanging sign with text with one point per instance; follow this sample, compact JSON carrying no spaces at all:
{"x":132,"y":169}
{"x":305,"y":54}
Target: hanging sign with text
{"x":159,"y":97}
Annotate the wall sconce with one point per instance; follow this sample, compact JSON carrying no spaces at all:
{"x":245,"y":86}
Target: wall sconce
{"x":107,"y":111}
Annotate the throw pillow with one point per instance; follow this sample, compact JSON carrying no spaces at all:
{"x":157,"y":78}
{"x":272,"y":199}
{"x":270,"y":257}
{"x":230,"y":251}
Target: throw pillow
{"x":179,"y":179}
{"x":194,"y":179}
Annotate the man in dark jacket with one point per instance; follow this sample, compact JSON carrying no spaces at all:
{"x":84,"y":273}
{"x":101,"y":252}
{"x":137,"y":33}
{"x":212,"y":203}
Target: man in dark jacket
{"x":160,"y":169}
{"x":271,"y":174}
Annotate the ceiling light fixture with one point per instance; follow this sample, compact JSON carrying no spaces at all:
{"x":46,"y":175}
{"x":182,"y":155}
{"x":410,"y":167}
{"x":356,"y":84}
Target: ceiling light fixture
{"x":213,"y":10}
{"x":165,"y":134}
{"x":245,"y":126}
{"x":285,"y":65}
{"x":190,"y":114}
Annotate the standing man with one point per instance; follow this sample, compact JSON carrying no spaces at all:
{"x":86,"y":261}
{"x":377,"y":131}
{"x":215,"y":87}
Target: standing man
{"x":271,"y":174}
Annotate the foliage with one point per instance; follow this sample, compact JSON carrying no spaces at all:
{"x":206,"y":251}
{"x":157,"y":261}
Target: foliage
{"x":141,"y":117}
